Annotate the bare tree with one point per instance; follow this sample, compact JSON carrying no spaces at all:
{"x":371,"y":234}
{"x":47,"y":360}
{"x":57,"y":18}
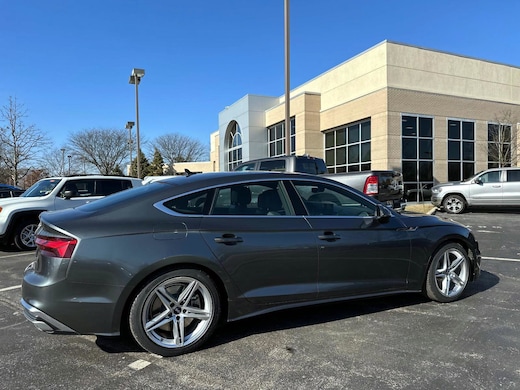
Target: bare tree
{"x":103,"y":148}
{"x":175,"y":148}
{"x":502,"y":140}
{"x":20,"y":143}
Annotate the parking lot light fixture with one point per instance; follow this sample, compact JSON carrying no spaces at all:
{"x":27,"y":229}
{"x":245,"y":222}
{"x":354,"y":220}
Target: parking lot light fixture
{"x":129,"y":126}
{"x":135,"y":78}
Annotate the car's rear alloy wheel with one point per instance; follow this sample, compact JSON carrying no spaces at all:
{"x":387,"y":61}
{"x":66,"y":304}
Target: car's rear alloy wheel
{"x":24,"y":237}
{"x":454,"y":204}
{"x":175,"y":313}
{"x":448,"y":274}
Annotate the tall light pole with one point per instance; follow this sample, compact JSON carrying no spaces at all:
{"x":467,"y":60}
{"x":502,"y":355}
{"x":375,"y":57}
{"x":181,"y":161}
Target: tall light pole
{"x":287,"y":83}
{"x":62,"y":161}
{"x":129,"y":126}
{"x":69,"y":157}
{"x":135,"y":78}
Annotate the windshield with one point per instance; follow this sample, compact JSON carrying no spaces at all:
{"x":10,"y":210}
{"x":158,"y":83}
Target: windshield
{"x":41,"y":188}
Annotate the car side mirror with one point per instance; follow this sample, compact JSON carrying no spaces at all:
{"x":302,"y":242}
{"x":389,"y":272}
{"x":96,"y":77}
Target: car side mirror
{"x":382,"y":215}
{"x":478,"y":180}
{"x":68,"y":194}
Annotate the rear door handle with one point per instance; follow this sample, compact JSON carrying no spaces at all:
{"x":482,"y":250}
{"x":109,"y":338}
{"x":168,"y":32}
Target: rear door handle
{"x":329,"y":236}
{"x":228,"y":239}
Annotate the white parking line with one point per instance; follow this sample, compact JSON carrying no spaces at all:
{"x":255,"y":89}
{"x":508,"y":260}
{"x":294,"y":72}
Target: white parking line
{"x":500,"y":259}
{"x":15,"y":255}
{"x":10,"y":288}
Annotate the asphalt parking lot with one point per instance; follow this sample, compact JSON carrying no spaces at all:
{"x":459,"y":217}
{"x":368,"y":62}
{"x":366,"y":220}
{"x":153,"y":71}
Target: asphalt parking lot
{"x":401,"y":342}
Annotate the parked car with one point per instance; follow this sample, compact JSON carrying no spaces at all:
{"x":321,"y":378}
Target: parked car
{"x":9,"y":191}
{"x":383,"y":185}
{"x":19,"y":216}
{"x":170,"y":259}
{"x":304,"y":164}
{"x":420,"y":194}
{"x":498,"y":187}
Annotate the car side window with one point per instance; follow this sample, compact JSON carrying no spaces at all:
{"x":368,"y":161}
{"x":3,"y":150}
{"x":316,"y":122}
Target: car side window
{"x":513,"y":175}
{"x":490,"y":177}
{"x":273,"y":165}
{"x":189,"y":204}
{"x":246,"y":167}
{"x":263,"y":198}
{"x":323,"y":199}
{"x":106,"y":187}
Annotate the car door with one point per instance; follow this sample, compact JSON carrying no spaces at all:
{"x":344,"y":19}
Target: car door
{"x":511,"y":188}
{"x":269,"y":253}
{"x":486,"y":189}
{"x":83,"y":191}
{"x":359,"y":254}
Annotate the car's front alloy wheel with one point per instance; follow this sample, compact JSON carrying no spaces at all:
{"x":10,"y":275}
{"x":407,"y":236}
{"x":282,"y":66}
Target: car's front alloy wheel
{"x":24,"y":237}
{"x":175,"y":312}
{"x":454,"y":204}
{"x":448,"y":274}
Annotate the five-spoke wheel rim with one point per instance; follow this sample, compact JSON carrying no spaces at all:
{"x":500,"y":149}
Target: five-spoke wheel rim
{"x":177,"y":312}
{"x":451,"y":273}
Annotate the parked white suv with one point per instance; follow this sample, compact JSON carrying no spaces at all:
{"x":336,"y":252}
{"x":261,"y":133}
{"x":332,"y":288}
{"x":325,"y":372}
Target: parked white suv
{"x":19,"y":216}
{"x":498,"y":187}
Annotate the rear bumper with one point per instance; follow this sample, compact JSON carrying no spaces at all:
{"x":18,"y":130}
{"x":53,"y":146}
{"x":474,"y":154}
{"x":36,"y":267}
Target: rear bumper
{"x":43,"y":321}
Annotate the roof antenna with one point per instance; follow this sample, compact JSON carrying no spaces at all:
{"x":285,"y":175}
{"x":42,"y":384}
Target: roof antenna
{"x":188,"y":172}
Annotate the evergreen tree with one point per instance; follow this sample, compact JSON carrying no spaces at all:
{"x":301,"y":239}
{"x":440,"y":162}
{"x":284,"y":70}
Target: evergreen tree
{"x":145,"y":165}
{"x":156,"y":168}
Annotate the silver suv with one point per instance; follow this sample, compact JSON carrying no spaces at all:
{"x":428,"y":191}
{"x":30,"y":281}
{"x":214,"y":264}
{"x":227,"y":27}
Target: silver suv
{"x":498,"y":187}
{"x":19,"y":216}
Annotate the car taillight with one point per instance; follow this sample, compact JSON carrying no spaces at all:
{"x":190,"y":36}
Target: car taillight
{"x":371,"y":185}
{"x":61,"y":247}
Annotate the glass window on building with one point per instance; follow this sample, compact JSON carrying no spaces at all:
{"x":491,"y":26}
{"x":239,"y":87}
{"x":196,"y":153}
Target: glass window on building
{"x":234,"y":147}
{"x":499,"y":145}
{"x":461,"y":149}
{"x":276,"y":139}
{"x":417,"y":156}
{"x":347,"y":148}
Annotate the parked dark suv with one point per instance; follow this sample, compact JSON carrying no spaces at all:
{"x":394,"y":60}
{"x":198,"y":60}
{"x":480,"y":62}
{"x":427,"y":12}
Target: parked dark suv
{"x":9,"y":191}
{"x":303,"y":164}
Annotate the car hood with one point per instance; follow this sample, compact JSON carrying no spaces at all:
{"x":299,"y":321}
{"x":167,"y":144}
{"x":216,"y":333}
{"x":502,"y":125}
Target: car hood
{"x":421,"y":220}
{"x":19,"y":200}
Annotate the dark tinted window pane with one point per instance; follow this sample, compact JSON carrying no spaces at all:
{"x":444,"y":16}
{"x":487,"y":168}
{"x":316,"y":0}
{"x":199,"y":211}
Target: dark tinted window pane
{"x":353,"y":134}
{"x":493,"y":132}
{"x":272,"y":165}
{"x":425,"y":127}
{"x":467,"y":130}
{"x":353,"y":154}
{"x":468,"y":170}
{"x":365,"y":131}
{"x":366,"y":167}
{"x":468,"y":151}
{"x":409,"y":171}
{"x":329,"y":157}
{"x":409,"y":148}
{"x":341,"y":137}
{"x":365,"y":152}
{"x":409,"y":126}
{"x":425,"y":148}
{"x":341,"y":156}
{"x":454,"y":129}
{"x":453,"y":150}
{"x":425,"y":170}
{"x":454,"y":171}
{"x":329,"y":139}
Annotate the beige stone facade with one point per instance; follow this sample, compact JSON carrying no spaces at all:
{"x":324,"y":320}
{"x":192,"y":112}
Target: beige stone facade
{"x":380,"y":85}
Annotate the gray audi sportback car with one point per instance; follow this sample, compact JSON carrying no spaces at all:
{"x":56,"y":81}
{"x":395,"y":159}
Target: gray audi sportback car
{"x":172,"y":259}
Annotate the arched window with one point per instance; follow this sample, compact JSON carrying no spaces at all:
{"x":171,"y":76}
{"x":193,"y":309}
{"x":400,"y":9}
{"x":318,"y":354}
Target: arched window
{"x":234,"y":146}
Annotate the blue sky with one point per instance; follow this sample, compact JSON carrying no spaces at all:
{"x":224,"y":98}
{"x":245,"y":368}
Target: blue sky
{"x":69,"y":61}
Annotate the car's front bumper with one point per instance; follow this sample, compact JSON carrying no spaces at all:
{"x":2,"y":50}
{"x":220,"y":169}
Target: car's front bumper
{"x":436,"y":200}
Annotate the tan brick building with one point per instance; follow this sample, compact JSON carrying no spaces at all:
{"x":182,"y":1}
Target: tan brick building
{"x":423,"y":112}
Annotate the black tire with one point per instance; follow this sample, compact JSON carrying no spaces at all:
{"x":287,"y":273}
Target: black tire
{"x":454,"y":204}
{"x":24,"y":237}
{"x":448,"y":274}
{"x":175,"y":313}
